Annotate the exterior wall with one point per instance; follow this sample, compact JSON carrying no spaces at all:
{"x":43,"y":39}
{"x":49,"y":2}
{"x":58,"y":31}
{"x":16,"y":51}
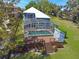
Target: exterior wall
{"x":60,"y":36}
{"x":36,"y":23}
{"x":44,"y":23}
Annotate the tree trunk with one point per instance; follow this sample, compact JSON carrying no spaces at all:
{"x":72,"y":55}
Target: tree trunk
{"x":8,"y":55}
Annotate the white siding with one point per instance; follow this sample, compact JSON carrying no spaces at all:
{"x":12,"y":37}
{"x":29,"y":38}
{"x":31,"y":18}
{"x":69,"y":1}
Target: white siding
{"x":60,"y":36}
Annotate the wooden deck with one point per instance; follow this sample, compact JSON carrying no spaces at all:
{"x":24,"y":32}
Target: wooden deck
{"x":46,"y":42}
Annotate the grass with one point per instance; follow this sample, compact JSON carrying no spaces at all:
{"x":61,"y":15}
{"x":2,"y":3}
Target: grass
{"x":70,"y":50}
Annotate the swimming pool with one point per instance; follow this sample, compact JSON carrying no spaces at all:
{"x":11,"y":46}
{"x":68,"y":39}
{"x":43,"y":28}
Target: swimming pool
{"x":38,"y":33}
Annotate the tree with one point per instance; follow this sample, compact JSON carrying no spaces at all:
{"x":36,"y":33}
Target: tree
{"x":43,"y":5}
{"x":31,"y":3}
{"x":72,"y":3}
{"x":10,"y":20}
{"x":72,"y":10}
{"x":10,"y":1}
{"x":78,"y":1}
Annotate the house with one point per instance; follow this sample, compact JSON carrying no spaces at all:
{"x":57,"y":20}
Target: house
{"x":38,"y":29}
{"x":34,"y":19}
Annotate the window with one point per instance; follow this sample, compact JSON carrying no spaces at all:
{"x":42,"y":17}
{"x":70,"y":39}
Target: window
{"x":29,"y":15}
{"x":33,"y":25}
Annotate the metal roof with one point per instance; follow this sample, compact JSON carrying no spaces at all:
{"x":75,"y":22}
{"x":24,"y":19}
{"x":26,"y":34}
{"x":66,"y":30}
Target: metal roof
{"x":38,"y":13}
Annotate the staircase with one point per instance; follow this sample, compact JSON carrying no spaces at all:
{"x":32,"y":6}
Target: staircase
{"x":49,"y":47}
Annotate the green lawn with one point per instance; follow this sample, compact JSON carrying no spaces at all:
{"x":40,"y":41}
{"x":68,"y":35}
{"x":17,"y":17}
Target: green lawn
{"x":70,"y":50}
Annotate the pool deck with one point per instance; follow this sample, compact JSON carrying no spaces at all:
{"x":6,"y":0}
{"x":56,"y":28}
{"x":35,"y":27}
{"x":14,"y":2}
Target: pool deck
{"x":43,"y":32}
{"x":47,"y":39}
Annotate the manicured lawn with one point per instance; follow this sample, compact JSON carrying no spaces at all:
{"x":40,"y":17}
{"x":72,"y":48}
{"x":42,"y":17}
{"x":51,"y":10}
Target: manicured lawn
{"x":70,"y":50}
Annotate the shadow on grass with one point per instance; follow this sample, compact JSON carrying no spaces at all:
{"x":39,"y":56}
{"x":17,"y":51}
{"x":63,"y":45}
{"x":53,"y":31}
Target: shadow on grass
{"x":65,"y":42}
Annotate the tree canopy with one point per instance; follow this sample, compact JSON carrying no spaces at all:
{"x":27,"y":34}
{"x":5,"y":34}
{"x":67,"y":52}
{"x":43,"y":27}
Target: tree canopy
{"x":10,"y":23}
{"x":43,"y":5}
{"x":10,"y":1}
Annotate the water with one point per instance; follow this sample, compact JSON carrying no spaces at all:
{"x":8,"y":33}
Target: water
{"x":36,"y":33}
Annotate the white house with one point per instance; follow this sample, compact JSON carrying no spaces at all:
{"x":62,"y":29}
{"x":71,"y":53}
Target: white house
{"x":36,"y":23}
{"x":35,"y":19}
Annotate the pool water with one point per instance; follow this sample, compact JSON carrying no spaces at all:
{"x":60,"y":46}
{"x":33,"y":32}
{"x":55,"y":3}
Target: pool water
{"x":36,"y":33}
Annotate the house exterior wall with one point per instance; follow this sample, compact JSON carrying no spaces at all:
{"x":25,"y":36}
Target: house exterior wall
{"x":59,"y":35}
{"x":36,"y":23}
